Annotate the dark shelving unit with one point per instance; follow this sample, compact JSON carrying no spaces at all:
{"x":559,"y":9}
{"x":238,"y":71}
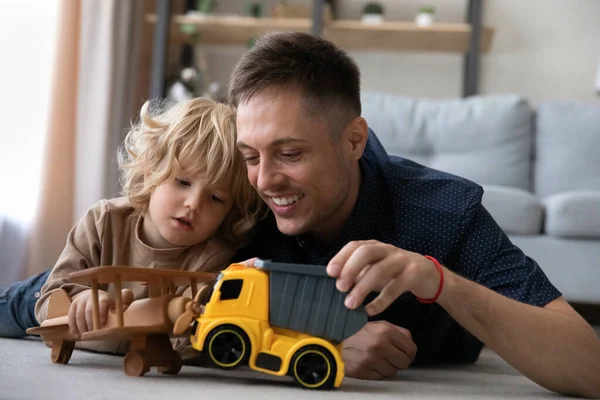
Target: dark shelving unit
{"x":470,"y":74}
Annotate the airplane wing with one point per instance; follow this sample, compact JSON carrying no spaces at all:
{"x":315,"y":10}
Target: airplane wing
{"x":110,"y":274}
{"x":52,"y":332}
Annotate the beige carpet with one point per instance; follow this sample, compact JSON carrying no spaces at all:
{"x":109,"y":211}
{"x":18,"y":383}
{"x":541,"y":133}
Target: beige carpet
{"x":27,"y":373}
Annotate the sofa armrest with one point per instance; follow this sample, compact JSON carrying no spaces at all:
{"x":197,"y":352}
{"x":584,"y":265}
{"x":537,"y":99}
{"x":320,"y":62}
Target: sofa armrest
{"x":515,"y":210}
{"x":573,"y":214}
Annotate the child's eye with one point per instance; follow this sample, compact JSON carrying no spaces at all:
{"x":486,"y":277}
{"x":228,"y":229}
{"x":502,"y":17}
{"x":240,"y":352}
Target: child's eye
{"x":182,"y":182}
{"x":216,"y":199}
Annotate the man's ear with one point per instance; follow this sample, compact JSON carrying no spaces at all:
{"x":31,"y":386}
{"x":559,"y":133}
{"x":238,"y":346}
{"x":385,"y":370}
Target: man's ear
{"x":356,"y":134}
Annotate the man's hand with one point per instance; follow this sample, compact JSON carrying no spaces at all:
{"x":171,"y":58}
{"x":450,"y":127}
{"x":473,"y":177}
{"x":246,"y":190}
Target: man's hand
{"x":249,"y":262}
{"x":379,"y":350}
{"x":81,"y":311}
{"x":367,"y":266}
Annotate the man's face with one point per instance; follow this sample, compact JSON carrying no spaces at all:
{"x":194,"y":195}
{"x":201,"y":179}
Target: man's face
{"x":300,"y":172}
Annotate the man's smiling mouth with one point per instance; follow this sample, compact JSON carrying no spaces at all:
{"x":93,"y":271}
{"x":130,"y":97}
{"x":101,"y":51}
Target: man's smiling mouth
{"x":286,"y":201}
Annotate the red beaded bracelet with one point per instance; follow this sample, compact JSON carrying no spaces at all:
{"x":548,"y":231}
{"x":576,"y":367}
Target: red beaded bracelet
{"x":439,"y":291}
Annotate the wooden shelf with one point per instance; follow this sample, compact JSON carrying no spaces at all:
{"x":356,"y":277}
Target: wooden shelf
{"x":405,"y":36}
{"x":233,"y":30}
{"x":348,"y":34}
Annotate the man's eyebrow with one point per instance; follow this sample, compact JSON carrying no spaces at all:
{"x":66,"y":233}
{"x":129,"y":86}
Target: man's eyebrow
{"x":278,"y":142}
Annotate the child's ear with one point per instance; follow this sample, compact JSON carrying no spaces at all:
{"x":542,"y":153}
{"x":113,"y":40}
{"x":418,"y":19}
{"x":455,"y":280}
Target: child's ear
{"x":147,"y":174}
{"x":147,"y":183}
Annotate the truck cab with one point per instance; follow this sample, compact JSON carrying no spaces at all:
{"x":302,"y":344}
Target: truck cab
{"x":240,"y":292}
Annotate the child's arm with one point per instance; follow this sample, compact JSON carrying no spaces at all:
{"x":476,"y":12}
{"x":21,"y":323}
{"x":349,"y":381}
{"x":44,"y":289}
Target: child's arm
{"x":82,"y":250}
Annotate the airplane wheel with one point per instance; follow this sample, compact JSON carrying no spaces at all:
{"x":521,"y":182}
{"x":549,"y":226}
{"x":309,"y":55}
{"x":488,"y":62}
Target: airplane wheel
{"x":228,"y":346}
{"x":61,"y":351}
{"x":314,"y":367}
{"x":135,"y":364}
{"x":174,"y":365}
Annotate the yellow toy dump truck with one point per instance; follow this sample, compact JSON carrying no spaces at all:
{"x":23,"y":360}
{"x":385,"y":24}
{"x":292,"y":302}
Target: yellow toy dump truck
{"x":277,"y":318}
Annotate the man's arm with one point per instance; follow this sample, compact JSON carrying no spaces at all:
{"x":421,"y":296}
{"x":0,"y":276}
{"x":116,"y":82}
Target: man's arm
{"x":504,"y":299}
{"x":553,"y":346}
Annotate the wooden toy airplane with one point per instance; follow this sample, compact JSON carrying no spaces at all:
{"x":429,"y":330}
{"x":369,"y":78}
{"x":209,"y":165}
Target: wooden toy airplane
{"x":147,"y":323}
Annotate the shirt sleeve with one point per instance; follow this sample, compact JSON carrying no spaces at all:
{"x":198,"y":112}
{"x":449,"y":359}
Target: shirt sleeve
{"x":487,"y":256}
{"x":82,"y":251}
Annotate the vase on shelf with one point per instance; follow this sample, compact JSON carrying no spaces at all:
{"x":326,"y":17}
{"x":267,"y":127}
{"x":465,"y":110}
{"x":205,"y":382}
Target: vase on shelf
{"x":372,"y":14}
{"x":425,"y":16}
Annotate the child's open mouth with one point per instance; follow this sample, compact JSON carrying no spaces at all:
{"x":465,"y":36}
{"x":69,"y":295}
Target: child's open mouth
{"x":184,"y":222}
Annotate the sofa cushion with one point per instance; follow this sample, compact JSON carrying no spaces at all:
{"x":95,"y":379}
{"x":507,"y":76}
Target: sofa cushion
{"x":570,"y":264}
{"x":567,"y":147}
{"x":515,"y":210}
{"x":487,"y":139}
{"x":573,"y":214}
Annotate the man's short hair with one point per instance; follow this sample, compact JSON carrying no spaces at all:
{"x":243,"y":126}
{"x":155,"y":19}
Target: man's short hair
{"x":327,"y":77}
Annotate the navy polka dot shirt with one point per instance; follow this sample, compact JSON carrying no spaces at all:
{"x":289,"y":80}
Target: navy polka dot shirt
{"x":432,"y":213}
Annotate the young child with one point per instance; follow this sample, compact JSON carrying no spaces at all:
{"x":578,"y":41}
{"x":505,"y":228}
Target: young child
{"x":187,"y":205}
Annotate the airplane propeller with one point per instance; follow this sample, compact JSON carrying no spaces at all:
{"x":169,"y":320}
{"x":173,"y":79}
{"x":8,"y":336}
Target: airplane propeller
{"x":192,"y":310}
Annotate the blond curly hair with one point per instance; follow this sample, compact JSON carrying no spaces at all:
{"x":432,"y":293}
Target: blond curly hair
{"x":195,"y":136}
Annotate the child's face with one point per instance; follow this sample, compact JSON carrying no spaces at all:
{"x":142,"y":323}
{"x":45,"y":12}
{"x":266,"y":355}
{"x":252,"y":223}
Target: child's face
{"x":184,"y":212}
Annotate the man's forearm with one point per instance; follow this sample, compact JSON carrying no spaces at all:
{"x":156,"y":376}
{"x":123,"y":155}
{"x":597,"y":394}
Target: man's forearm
{"x":557,"y":350}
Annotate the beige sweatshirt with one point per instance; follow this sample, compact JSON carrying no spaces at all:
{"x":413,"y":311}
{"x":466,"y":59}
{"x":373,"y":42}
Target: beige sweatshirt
{"x":109,"y":234}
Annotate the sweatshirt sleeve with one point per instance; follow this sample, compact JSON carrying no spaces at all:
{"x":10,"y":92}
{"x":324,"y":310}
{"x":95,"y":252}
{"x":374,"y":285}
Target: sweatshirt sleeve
{"x":82,"y":251}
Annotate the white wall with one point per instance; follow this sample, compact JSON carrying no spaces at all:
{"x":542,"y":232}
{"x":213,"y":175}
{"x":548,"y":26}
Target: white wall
{"x":542,"y":49}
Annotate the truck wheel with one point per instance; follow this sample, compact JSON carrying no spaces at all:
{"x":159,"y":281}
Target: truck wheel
{"x":314,"y":367}
{"x":228,"y":346}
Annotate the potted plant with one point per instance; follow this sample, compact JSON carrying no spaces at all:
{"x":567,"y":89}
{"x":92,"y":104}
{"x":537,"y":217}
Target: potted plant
{"x":254,"y":9}
{"x":202,"y":8}
{"x":372,"y":13}
{"x":425,"y":17}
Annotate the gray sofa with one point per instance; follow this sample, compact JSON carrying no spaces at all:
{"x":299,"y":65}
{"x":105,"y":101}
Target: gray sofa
{"x":540,"y":170}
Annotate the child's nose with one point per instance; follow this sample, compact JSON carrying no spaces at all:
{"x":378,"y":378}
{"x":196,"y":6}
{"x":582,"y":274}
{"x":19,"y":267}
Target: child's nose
{"x":193,"y":203}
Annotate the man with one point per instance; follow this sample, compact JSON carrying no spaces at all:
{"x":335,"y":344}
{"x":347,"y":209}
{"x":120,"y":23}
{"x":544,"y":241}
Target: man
{"x":416,"y":246}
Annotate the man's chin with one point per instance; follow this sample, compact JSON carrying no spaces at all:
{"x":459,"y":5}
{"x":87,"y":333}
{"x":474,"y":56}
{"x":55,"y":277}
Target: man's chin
{"x":290,"y":228}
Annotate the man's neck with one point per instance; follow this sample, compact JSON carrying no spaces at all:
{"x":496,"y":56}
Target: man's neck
{"x":329,"y":233}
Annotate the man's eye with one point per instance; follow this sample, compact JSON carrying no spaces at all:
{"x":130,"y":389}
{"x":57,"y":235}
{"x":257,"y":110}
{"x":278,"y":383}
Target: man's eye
{"x":182,"y":182}
{"x":289,"y":156}
{"x":251,"y":160}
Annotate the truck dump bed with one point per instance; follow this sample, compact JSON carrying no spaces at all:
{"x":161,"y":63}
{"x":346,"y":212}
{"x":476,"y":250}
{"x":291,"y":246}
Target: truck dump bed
{"x":304,"y":298}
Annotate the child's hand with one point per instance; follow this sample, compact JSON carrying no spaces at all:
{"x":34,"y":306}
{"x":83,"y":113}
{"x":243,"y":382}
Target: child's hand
{"x":81,"y":315}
